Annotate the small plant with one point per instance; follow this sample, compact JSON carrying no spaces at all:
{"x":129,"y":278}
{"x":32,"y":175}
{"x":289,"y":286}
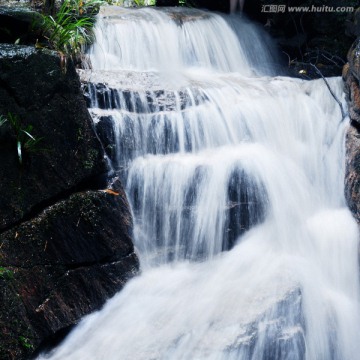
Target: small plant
{"x":188,"y":3}
{"x":140,"y":2}
{"x":25,"y":141}
{"x":6,"y":273}
{"x":72,"y":27}
{"x":25,"y":342}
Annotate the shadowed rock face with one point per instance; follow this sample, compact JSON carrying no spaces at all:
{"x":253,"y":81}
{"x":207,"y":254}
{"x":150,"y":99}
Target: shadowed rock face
{"x":62,"y":265}
{"x":247,"y":206}
{"x":18,"y":23}
{"x":352,"y":176}
{"x":41,"y":92}
{"x":65,"y":246}
{"x":351,"y":76}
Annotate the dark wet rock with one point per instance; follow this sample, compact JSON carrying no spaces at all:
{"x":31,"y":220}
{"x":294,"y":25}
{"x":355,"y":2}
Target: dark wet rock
{"x":352,"y":91}
{"x":351,"y":76}
{"x":102,"y":96}
{"x":354,"y":60}
{"x":181,"y":15}
{"x":353,"y":24}
{"x":352,"y":174}
{"x":247,"y":206}
{"x":47,"y":6}
{"x":167,"y":2}
{"x":217,"y":5}
{"x":60,"y":266}
{"x":18,"y":24}
{"x":43,"y":92}
{"x":105,"y":130}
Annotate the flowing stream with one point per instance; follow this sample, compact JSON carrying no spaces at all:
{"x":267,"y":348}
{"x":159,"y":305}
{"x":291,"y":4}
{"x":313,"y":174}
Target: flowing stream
{"x":235,"y":180}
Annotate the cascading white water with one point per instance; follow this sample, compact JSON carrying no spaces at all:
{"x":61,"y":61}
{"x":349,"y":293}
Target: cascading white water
{"x":217,"y":157}
{"x":173,"y":40}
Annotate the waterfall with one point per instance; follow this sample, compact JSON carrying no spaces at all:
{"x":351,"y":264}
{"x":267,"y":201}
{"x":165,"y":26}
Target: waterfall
{"x":235,"y":180}
{"x":236,"y":5}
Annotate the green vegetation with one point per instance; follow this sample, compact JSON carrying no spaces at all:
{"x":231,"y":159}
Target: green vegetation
{"x":187,"y":3}
{"x":25,"y":141}
{"x":6,"y":273}
{"x":72,"y":27}
{"x":25,"y":343}
{"x":90,"y":162}
{"x":140,"y":2}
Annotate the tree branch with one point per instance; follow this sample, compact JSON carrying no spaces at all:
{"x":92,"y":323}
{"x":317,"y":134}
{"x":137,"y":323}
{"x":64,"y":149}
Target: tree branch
{"x":343,"y":113}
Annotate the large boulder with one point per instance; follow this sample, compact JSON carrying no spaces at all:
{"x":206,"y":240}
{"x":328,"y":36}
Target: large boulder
{"x":41,"y":90}
{"x":60,"y":266}
{"x":18,"y":24}
{"x":352,"y":176}
{"x":351,"y":76}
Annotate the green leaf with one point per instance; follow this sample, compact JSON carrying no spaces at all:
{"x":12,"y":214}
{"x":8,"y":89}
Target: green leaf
{"x":19,"y":152}
{"x":3,"y":120}
{"x":72,"y":27}
{"x":27,"y":133}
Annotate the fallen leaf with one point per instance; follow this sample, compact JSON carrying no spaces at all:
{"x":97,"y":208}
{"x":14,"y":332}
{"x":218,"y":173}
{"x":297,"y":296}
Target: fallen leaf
{"x":112,"y":192}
